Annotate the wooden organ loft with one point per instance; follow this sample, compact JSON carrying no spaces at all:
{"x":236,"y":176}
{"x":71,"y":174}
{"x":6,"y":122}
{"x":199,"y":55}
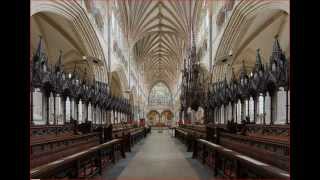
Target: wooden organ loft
{"x":247,"y":129}
{"x":69,"y":133}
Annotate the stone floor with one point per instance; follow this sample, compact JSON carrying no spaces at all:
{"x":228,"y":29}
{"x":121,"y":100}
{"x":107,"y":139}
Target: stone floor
{"x":159,"y":156}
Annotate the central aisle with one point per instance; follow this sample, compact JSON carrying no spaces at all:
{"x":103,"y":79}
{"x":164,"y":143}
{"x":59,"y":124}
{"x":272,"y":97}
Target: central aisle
{"x":159,"y":156}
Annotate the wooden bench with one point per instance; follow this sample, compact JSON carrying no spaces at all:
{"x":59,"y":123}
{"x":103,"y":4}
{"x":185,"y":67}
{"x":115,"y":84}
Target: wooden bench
{"x":129,"y":134}
{"x":274,"y":152}
{"x":122,"y":131}
{"x":181,"y":135}
{"x":189,"y":133}
{"x":227,"y":163}
{"x":86,"y":163}
{"x":46,"y":132}
{"x":45,"y":151}
{"x":136,"y":134}
{"x":272,"y":132}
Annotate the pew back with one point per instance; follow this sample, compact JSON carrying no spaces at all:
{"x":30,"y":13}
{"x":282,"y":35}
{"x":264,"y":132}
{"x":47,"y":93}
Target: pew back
{"x":228,"y":163}
{"x":86,"y":163}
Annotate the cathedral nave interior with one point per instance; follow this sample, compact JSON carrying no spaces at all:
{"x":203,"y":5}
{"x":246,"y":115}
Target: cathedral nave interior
{"x":193,"y":89}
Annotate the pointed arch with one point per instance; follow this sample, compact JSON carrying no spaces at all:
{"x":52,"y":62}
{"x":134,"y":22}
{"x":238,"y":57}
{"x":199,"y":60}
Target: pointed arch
{"x":247,"y":20}
{"x":76,"y":15}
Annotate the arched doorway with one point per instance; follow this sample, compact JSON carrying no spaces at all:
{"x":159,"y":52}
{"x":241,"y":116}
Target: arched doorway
{"x":166,"y":117}
{"x":153,"y":117}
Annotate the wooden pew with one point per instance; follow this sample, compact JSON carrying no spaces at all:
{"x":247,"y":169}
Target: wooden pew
{"x":227,"y":163}
{"x":122,"y":131}
{"x":136,"y":134}
{"x":189,"y":133}
{"x":87,"y":163}
{"x":44,"y":151}
{"x":267,"y":143}
{"x":212,"y":131}
{"x":129,"y":134}
{"x":46,"y":132}
{"x":272,"y":151}
{"x":279,"y":133}
{"x":181,"y":135}
{"x":148,"y":130}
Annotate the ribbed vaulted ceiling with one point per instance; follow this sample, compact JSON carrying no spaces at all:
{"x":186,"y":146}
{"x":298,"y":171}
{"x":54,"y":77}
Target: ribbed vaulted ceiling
{"x":158,"y":32}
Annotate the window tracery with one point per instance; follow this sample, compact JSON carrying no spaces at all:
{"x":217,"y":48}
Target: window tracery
{"x":160,"y":95}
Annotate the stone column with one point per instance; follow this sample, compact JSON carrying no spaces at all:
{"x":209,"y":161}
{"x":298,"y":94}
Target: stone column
{"x":267,"y":105}
{"x":288,"y":106}
{"x":219,"y":115}
{"x":101,"y":116}
{"x":248,"y":107}
{"x":225,"y":114}
{"x":64,"y":101}
{"x":281,"y":106}
{"x":87,"y":111}
{"x":235,"y":111}
{"x":222,"y":114}
{"x":251,"y":110}
{"x":92,"y":114}
{"x":211,"y":114}
{"x":46,"y":108}
{"x":255,"y":109}
{"x":243,"y":110}
{"x":114,"y":116}
{"x":76,"y":110}
{"x":210,"y":37}
{"x":71,"y":107}
{"x":233,"y":117}
{"x":54,"y":110}
{"x":31,"y":106}
{"x":264,"y":109}
{"x":273,"y":105}
{"x":95,"y":114}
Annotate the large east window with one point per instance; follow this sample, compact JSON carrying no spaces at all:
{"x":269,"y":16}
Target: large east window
{"x":160,"y":95}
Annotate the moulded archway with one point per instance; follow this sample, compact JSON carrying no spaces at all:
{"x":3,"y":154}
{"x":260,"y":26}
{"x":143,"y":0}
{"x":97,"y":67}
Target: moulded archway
{"x":153,"y":117}
{"x":166,"y":116}
{"x":77,"y":29}
{"x":252,"y":25}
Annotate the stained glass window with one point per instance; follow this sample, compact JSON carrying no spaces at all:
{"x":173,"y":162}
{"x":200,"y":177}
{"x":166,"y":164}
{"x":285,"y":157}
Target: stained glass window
{"x":160,"y":95}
